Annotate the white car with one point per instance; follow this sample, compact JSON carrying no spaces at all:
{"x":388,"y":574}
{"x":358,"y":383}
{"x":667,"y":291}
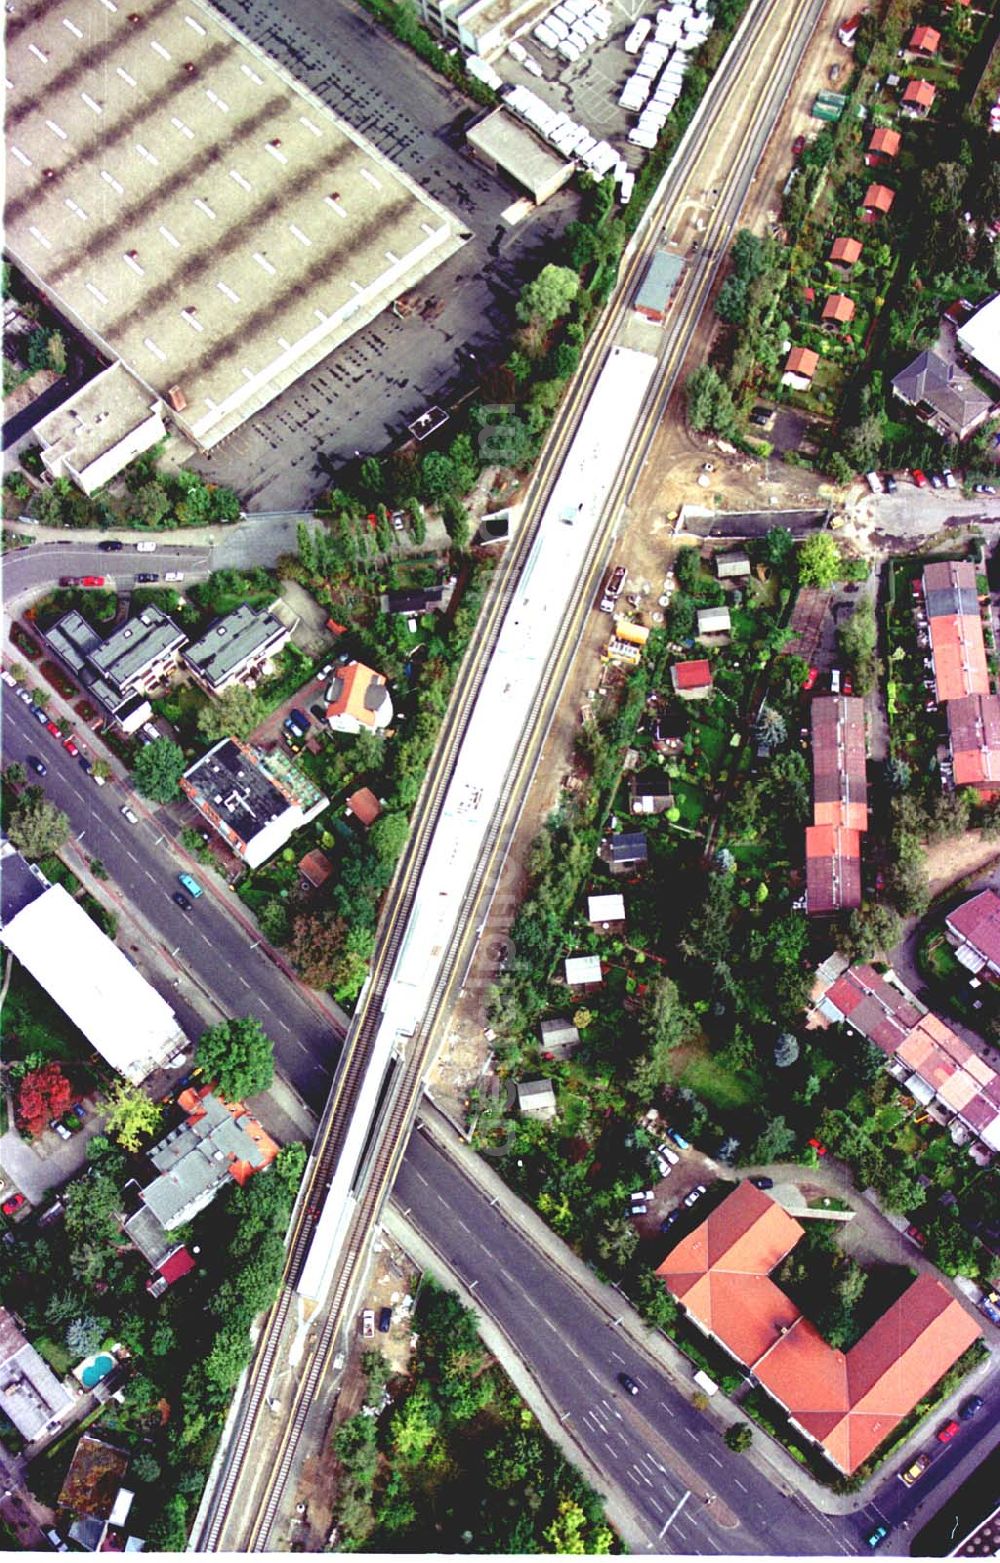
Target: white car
{"x":130,"y":814}
{"x":8,"y":678}
{"x":61,"y":1129}
{"x":368,"y":1324}
{"x":669,"y":1155}
{"x":516,"y":50}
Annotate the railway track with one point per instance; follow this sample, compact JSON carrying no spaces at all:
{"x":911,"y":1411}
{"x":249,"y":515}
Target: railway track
{"x":398,"y":1108}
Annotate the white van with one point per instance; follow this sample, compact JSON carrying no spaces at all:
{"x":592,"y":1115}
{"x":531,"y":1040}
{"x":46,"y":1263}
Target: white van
{"x":707,"y":1385}
{"x":874,"y":482}
{"x":147,"y":546}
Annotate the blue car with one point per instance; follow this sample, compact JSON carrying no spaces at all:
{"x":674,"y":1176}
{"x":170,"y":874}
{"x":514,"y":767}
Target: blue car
{"x":679,"y":1140}
{"x":876,"y":1537}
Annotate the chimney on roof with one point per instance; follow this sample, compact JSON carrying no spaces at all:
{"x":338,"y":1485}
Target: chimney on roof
{"x":191,"y":67}
{"x":276,"y":142}
{"x":176,"y":398}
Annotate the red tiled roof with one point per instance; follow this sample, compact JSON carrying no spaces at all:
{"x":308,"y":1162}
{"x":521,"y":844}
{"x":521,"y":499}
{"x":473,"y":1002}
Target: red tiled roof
{"x":959,"y":653}
{"x":840,"y":792}
{"x":803,"y":361}
{"x":886,"y":143}
{"x":925,"y":40}
{"x":838,"y":307}
{"x":846,"y":251}
{"x":692,"y":675}
{"x":176,"y":1265}
{"x":919,"y":93}
{"x":315,"y":867}
{"x":978,"y":923}
{"x":848,"y":1402}
{"x":974,"y":733}
{"x":833,"y":869}
{"x":364,"y":805}
{"x":879,"y":198}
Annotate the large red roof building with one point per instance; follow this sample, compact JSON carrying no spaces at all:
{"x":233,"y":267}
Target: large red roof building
{"x":846,"y":1402}
{"x":956,"y":630}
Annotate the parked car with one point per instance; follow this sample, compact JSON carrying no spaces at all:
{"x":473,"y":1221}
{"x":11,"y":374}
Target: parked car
{"x":876,"y":1537}
{"x":368,"y":1323}
{"x":695,"y":1195}
{"x":191,"y":885}
{"x":40,"y":715}
{"x":679,"y":1140}
{"x":810,"y":678}
{"x":669,"y":1220}
{"x":50,"y":727}
{"x":8,"y":678}
{"x":818,"y":1147}
{"x":145,"y":576}
{"x":385,"y":1320}
{"x":937,"y":481}
{"x":130,"y":814}
{"x":949,"y":477}
{"x":60,"y":1128}
{"x":24,"y":694}
{"x":798,"y":146}
{"x":111,"y":545}
{"x":627,"y":1382}
{"x":848,"y":685}
{"x":948,"y":1432}
{"x":92,"y":580}
{"x":916,"y":1236}
{"x":300,"y":719}
{"x":11,"y":1206}
{"x":55,"y":1540}
{"x":919,"y":478}
{"x":667,"y":1154}
{"x":971,"y":1408}
{"x":70,"y":747}
{"x":890,"y":483}
{"x":637,"y":1209}
{"x":38,"y":766}
{"x":663,"y":1166}
{"x":762,"y":1183}
{"x":914,"y":1472}
{"x":984,"y":488}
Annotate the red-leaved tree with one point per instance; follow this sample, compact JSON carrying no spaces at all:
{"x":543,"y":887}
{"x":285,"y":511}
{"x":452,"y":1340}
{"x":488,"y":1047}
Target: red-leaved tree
{"x":42,"y":1095}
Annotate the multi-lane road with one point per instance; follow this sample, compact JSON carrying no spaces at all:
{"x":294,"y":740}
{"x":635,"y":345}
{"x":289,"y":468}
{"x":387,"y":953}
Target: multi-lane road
{"x":213,"y":945}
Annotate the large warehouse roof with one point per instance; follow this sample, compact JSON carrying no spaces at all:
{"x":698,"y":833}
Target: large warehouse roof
{"x":198,"y":213}
{"x":94,"y":984}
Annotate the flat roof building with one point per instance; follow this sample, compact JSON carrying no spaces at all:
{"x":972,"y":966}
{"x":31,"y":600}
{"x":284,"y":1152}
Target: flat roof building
{"x":120,"y":671}
{"x":239,"y":648}
{"x":254,"y":801}
{"x":503,"y":143}
{"x":979,"y":337}
{"x":97,"y":432}
{"x":482,"y":27}
{"x":194,"y":211}
{"x":94,"y":984}
{"x":658,"y":286}
{"x":30,"y":1394}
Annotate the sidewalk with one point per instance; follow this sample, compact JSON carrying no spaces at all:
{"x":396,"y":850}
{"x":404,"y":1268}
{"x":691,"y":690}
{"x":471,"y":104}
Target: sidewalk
{"x":787,"y":1475}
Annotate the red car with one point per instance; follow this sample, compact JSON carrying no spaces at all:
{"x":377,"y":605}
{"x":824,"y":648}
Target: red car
{"x":11,"y":1206}
{"x":798,"y":146}
{"x":947,"y":1433}
{"x":70,"y":747}
{"x":819,"y":1148}
{"x":92,"y":580}
{"x":848,"y":686}
{"x":919,"y":478}
{"x":810,"y":678}
{"x":50,"y":727}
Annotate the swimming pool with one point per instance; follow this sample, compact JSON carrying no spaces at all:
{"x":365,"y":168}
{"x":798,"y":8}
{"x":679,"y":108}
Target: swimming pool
{"x":99,"y":1367}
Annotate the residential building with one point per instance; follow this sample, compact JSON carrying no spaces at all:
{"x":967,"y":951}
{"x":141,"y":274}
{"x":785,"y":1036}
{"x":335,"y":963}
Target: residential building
{"x":94,"y":1479}
{"x":30,"y":1394}
{"x":845,"y":253}
{"x":883,"y":147}
{"x":974,"y":736}
{"x":364,"y":805}
{"x":959,"y":1089}
{"x":918,"y":99}
{"x":625,"y":852}
{"x":848,"y":31}
{"x":315,"y":868}
{"x":536,"y":1099}
{"x":979,"y":338}
{"x":583,"y":971}
{"x":251,"y":234}
{"x":658,"y":286}
{"x":800,"y":366}
{"x":943,"y":395}
{"x":734,"y":566}
{"x":254,"y":801}
{"x":838,"y":310}
{"x":239,"y":648}
{"x":90,"y":979}
{"x":713,"y":621}
{"x":951,"y":601}
{"x":174,"y":1268}
{"x":692,"y":680}
{"x":877,"y":202}
{"x":358,"y":700}
{"x":840,"y":805}
{"x":218,"y":1143}
{"x":606,"y":912}
{"x":847,"y":1403}
{"x":974,"y":930}
{"x":414,"y":600}
{"x":94,"y":434}
{"x":559,"y":1038}
{"x":121,"y":671}
{"x":924,"y":41}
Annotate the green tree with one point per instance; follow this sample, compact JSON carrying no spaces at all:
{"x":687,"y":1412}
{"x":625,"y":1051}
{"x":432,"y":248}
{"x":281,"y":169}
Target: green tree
{"x":731,"y":304}
{"x":773,"y":1143}
{"x":857,"y":640}
{"x":820,"y":563}
{"x":144,"y":1467}
{"x":548,"y":297}
{"x":85,"y":1333}
{"x":786,"y":1050}
{"x":951,"y":1247}
{"x":239,"y":1056}
{"x":710,"y":406}
{"x":130,"y":1115}
{"x":739,"y":1437}
{"x":169,"y":1530}
{"x":36,"y":827}
{"x":414,"y":1427}
{"x":158,"y":769}
{"x":873,"y":930}
{"x":15,"y":774}
{"x":616,"y":1242}
{"x":388,"y":837}
{"x":316,"y":946}
{"x":233,"y":714}
{"x":770,"y":729}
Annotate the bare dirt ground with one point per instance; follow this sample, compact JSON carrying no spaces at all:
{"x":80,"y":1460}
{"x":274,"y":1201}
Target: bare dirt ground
{"x":23,"y":395}
{"x":647,"y":546}
{"x":950,"y":861}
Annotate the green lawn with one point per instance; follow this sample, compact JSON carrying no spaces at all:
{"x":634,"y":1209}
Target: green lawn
{"x":716,"y":1085}
{"x":55,"y":1353}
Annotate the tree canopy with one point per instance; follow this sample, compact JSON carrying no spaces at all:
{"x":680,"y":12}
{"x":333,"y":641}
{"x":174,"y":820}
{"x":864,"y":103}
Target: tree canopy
{"x":548,"y":296}
{"x":233,"y":714}
{"x":820,"y":563}
{"x":239,"y":1056}
{"x":158,"y":769}
{"x":36,"y":827}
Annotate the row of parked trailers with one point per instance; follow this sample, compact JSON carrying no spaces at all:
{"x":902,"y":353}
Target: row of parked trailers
{"x":563,"y":133}
{"x":573,"y":27}
{"x":655,"y":84}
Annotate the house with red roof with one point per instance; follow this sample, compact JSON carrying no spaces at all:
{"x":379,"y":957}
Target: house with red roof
{"x":845,"y":253}
{"x":357,"y":700}
{"x":877,"y":202}
{"x":918,"y":98}
{"x":840,"y":805}
{"x":692,"y":680}
{"x":838,"y":310}
{"x":974,"y":736}
{"x":951,"y":600}
{"x":848,"y":1403}
{"x":800,"y":366}
{"x":974,"y":931}
{"x":924,"y":42}
{"x":883,"y":147}
{"x":364,"y":806}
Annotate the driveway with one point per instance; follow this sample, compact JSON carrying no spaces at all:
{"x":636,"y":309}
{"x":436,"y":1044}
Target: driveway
{"x":47,"y":1162}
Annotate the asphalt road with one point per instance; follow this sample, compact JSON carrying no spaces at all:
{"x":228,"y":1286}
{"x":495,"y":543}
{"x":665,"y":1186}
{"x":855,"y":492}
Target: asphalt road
{"x":37,"y":568}
{"x":656,"y":1446}
{"x":208,"y":943}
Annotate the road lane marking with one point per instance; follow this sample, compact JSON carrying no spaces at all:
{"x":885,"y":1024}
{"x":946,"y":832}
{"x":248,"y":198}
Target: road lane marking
{"x":611,"y":1451}
{"x":692,"y":1435}
{"x":656,"y":1505}
{"x":682,"y":1500}
{"x":632,"y":1478}
{"x":643,"y":1475}
{"x":572,"y":1349}
{"x":593,"y":1375}
{"x":740,"y":1485}
{"x":715,"y":1457}
{"x":667,"y":1409}
{"x":617,"y":1357}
